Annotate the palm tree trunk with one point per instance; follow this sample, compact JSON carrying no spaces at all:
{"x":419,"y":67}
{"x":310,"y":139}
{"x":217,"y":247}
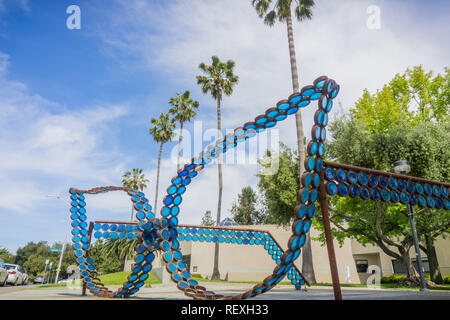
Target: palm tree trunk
{"x":307,"y":263}
{"x":124,"y":263}
{"x":216,"y":274}
{"x":157,"y":177}
{"x":179,"y":145}
{"x":132,"y":213}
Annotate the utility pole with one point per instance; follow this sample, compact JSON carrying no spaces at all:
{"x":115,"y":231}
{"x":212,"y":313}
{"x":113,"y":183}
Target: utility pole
{"x":403,"y":167}
{"x":45,"y":271}
{"x":65,"y":237}
{"x":423,"y":284}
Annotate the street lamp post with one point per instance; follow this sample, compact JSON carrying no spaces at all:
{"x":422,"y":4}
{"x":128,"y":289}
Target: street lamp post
{"x":403,"y":167}
{"x":65,"y":238}
{"x":45,"y":271}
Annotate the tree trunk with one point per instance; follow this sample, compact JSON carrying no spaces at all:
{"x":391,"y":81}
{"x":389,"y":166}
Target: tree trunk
{"x":411,"y":273}
{"x":216,"y":274}
{"x":179,"y":145}
{"x":435,"y":273}
{"x":307,"y":263}
{"x":157,"y":178}
{"x":124,"y":263}
{"x":132,"y":213}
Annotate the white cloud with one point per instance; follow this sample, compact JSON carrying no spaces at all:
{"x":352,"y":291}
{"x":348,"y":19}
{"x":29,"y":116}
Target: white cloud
{"x":47,"y":148}
{"x":23,"y":4}
{"x":173,"y":39}
{"x":201,"y":194}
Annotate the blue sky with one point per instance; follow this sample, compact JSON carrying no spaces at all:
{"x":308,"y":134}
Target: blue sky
{"x":76,"y":104}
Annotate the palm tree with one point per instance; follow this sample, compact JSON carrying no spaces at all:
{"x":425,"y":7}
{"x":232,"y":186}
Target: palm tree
{"x":219,"y":79}
{"x":282,"y":11}
{"x":183,"y":110}
{"x":134,"y":180}
{"x":123,"y":248}
{"x":162,"y":132}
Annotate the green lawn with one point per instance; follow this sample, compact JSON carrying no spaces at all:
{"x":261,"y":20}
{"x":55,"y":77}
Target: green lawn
{"x":51,"y":285}
{"x":111,"y":279}
{"x":200,"y":279}
{"x":438,"y":287}
{"x":119,"y":278}
{"x":443,"y":287}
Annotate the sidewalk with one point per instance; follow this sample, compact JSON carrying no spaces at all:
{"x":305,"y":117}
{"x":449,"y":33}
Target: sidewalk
{"x":281,"y":292}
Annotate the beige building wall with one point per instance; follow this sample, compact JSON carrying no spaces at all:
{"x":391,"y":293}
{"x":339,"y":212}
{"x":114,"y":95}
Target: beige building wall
{"x":238,"y":262}
{"x":385,"y":261}
{"x":344,"y":260}
{"x":253,"y":263}
{"x":443,"y":254}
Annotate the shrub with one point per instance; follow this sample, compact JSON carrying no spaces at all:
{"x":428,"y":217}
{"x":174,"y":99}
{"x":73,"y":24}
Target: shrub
{"x":446,"y":279}
{"x":393,"y":278}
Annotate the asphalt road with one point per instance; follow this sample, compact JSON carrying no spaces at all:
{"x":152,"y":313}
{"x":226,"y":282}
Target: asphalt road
{"x":170,"y":292}
{"x":10,"y":288}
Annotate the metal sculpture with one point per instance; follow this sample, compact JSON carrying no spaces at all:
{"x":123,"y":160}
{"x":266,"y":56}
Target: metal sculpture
{"x":102,"y":229}
{"x":163,"y":234}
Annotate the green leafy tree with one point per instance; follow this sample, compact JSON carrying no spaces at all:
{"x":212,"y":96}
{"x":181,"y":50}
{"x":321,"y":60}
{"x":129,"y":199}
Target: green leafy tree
{"x":279,"y":190}
{"x":409,"y":101}
{"x":412,"y":97}
{"x":124,"y":249}
{"x":244,"y":212}
{"x":424,"y":146}
{"x":105,"y":259}
{"x":33,"y":256}
{"x":207,"y":219}
{"x":162,"y":131}
{"x":23,"y":253}
{"x":281,"y":10}
{"x":183,"y":110}
{"x":407,"y":119}
{"x":218,"y":79}
{"x":35,"y":263}
{"x":6,"y":256}
{"x":134,"y":180}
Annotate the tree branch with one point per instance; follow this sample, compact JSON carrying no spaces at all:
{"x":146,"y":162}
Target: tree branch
{"x":368,"y":236}
{"x":379,"y":232}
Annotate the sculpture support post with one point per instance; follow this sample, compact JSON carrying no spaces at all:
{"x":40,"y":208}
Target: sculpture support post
{"x":329,"y":237}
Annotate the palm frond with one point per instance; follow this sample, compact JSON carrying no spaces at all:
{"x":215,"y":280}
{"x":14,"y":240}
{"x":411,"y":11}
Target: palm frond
{"x":217,"y":76}
{"x":269,"y":18}
{"x":261,"y":6}
{"x":303,"y":12}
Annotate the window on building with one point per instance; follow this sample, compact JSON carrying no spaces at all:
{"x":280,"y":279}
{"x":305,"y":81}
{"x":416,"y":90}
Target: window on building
{"x":399,"y":267}
{"x":425,"y":265}
{"x":194,"y":269}
{"x":187,"y":261}
{"x":362,"y":265}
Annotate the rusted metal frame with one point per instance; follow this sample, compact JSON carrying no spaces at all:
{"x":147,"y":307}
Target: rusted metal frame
{"x":100,"y":190}
{"x":329,"y":237}
{"x":217,"y":228}
{"x":336,"y":165}
{"x":116,"y":222}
